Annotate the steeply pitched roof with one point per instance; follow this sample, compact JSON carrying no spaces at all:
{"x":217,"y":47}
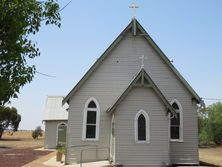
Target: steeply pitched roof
{"x":54,"y":110}
{"x":134,"y":25}
{"x":141,"y":79}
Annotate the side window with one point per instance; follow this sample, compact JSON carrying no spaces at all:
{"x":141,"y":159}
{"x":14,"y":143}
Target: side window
{"x":91,"y":120}
{"x":61,"y":134}
{"x":176,"y":122}
{"x":142,"y":127}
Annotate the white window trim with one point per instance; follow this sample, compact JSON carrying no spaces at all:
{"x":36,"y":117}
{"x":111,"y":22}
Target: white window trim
{"x":147,"y":127}
{"x":57,"y":130}
{"x":181,"y":122}
{"x":97,"y":109}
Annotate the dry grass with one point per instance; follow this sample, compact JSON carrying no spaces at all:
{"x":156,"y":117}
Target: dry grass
{"x":20,"y":139}
{"x":211,"y":155}
{"x":23,"y":139}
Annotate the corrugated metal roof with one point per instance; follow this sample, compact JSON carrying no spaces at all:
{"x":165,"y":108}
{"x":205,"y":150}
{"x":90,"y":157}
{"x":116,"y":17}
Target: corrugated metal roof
{"x":54,"y":110}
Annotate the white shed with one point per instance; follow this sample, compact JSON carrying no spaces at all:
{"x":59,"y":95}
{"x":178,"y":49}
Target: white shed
{"x":55,"y":119}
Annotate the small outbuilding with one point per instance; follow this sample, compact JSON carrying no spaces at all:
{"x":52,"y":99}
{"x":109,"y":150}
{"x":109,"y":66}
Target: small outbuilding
{"x":55,"y":119}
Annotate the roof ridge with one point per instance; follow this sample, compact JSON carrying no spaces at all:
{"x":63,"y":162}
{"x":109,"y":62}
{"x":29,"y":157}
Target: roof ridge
{"x":55,"y":96}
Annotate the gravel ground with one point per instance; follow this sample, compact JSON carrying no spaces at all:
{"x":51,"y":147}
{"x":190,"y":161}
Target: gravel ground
{"x":19,"y":157}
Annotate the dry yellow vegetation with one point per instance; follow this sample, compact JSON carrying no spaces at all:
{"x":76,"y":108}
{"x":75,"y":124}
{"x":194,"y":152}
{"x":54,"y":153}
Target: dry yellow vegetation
{"x":211,"y":155}
{"x":20,"y":139}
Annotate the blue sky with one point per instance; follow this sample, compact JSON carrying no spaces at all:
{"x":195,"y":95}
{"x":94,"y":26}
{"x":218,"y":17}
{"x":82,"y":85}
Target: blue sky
{"x":188,"y":32}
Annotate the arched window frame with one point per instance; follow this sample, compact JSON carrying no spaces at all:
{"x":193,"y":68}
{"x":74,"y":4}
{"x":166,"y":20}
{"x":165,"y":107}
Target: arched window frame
{"x":57,"y":129}
{"x":181,"y":122}
{"x":147,"y":118}
{"x":86,"y":109}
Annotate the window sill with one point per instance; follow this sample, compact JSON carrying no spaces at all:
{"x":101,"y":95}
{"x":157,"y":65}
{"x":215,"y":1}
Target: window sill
{"x":90,"y":139}
{"x":176,"y":140}
{"x":142,"y":142}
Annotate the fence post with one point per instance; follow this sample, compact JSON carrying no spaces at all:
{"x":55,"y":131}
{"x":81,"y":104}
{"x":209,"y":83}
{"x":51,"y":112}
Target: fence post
{"x":81,"y":159}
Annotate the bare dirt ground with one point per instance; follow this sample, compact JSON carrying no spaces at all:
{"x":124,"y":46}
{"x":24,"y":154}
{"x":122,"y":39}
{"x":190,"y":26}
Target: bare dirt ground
{"x":19,"y":157}
{"x":211,"y":155}
{"x":19,"y":149}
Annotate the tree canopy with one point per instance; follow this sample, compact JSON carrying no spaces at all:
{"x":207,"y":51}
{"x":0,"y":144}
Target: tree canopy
{"x":18,"y":20}
{"x":9,"y":119}
{"x":210,"y":124}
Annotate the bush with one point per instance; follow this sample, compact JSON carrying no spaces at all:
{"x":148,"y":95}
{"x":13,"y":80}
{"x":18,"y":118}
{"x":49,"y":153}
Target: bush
{"x":60,"y":149}
{"x":34,"y":134}
{"x":204,"y":137}
{"x":37,"y":132}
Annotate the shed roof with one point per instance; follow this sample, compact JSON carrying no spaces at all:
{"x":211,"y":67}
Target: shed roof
{"x":54,"y":110}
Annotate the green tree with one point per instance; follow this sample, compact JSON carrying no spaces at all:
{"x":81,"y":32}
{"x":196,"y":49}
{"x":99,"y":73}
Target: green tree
{"x":205,"y":135}
{"x":9,"y":119}
{"x":215,"y":121}
{"x":18,"y":20}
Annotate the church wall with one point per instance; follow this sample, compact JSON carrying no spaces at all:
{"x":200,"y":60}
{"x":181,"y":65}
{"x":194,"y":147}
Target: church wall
{"x":172,"y":88}
{"x":112,"y":77}
{"x":128,"y":152}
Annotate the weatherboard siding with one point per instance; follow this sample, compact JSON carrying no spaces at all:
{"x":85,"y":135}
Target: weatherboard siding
{"x":111,"y":78}
{"x":51,"y":133}
{"x":75,"y":128}
{"x":187,"y":151}
{"x":127,"y":151}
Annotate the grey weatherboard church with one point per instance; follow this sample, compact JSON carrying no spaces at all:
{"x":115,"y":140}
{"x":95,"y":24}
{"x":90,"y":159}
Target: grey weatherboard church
{"x":130,"y":113}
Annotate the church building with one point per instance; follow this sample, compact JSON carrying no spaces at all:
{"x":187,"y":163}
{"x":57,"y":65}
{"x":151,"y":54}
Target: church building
{"x":133,"y":107}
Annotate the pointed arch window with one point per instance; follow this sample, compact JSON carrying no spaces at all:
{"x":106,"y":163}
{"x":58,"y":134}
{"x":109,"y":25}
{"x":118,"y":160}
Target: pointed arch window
{"x":142,"y":127}
{"x":91,"y":118}
{"x":176,"y":122}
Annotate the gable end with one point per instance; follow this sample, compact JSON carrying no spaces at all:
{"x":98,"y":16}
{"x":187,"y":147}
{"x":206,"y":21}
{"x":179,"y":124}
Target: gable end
{"x":165,"y":59}
{"x":136,"y":29}
{"x":141,"y":79}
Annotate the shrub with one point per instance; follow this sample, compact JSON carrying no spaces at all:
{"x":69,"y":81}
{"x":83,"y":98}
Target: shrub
{"x":60,"y":149}
{"x":37,"y":132}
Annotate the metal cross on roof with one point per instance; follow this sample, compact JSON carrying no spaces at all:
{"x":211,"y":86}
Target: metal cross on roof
{"x":142,"y":60}
{"x":133,"y":6}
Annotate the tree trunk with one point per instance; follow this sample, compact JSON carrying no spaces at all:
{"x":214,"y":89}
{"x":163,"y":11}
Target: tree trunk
{"x":1,"y":132}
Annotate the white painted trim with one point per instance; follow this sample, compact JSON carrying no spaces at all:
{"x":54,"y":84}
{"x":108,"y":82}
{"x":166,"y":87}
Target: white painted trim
{"x":97,"y":109}
{"x":176,"y":140}
{"x":112,"y":139}
{"x":181,"y":122}
{"x":147,"y":126}
{"x":57,"y":128}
